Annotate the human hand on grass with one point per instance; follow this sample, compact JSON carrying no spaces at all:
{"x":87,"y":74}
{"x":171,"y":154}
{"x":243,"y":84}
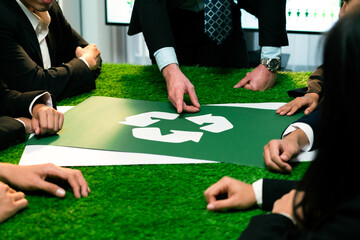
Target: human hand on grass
{"x":178,"y":85}
{"x":309,"y":100}
{"x":277,"y":153}
{"x":240,"y":195}
{"x":11,"y":202}
{"x":36,"y":177}
{"x":259,"y":79}
{"x":46,"y":120}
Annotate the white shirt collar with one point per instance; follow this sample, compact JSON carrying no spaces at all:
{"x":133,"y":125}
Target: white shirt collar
{"x":40,"y":20}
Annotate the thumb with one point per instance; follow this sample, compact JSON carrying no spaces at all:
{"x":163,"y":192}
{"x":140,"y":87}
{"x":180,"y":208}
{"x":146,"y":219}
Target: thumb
{"x":220,"y":204}
{"x":79,"y":51}
{"x":35,"y":125}
{"x":310,"y":109}
{"x":288,"y":154}
{"x":51,"y":188}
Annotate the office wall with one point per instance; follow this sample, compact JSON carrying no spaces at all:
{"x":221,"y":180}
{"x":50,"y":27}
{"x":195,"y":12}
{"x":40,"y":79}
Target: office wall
{"x":88,"y":18}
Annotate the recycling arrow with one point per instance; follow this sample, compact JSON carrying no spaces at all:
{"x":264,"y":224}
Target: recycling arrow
{"x":144,"y":119}
{"x":219,"y":124}
{"x":176,"y":136}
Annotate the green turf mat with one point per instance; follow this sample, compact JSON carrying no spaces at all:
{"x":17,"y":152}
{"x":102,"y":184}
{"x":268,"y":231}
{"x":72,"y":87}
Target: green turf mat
{"x":149,"y":201}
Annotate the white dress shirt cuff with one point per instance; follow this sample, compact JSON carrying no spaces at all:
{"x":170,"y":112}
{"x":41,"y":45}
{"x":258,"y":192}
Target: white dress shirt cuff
{"x":165,"y":56}
{"x":83,"y":59}
{"x":258,"y":187}
{"x":270,"y":52}
{"x":306,"y":129}
{"x":45,"y":99}
{"x":17,"y":119}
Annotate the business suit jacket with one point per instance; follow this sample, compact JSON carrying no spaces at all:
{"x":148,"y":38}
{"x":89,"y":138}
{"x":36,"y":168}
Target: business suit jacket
{"x":13,"y":104}
{"x":21,"y":65}
{"x":160,"y":27}
{"x":341,"y":223}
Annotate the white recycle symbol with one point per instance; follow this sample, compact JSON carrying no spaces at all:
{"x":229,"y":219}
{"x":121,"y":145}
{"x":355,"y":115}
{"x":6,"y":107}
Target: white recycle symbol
{"x":143,"y":120}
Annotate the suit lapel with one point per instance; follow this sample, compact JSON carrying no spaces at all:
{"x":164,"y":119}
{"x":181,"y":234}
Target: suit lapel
{"x":29,"y":33}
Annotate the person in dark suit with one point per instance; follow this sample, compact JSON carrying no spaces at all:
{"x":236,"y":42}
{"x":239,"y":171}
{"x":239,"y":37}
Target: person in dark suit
{"x":325,"y":203}
{"x":313,"y":95}
{"x":25,"y":113}
{"x":302,"y":135}
{"x":40,"y":50}
{"x":175,"y":35}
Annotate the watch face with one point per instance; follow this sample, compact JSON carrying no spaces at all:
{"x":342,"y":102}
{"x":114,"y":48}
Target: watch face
{"x":274,"y":64}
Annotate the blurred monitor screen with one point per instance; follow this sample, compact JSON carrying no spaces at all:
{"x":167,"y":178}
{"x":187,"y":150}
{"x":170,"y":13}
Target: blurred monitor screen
{"x":303,"y":16}
{"x":118,"y":11}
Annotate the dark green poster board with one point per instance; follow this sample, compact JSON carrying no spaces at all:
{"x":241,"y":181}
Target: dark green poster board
{"x":225,"y":134}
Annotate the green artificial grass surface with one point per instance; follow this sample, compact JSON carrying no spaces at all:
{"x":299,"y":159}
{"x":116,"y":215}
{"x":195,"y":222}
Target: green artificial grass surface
{"x":149,"y":201}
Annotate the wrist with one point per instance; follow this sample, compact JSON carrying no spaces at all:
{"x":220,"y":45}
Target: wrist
{"x":37,"y":107}
{"x":170,"y":70}
{"x":298,"y":137}
{"x":6,"y":172}
{"x":313,"y":96}
{"x":272,"y":64}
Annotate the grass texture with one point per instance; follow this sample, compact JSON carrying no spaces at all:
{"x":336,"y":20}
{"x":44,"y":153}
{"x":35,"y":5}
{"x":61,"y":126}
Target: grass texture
{"x":150,"y":201}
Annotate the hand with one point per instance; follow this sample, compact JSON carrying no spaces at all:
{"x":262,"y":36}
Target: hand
{"x":46,"y":120}
{"x":240,"y":195}
{"x":260,"y":79}
{"x":277,"y":153}
{"x":10,"y":202}
{"x":310,"y":100}
{"x":178,"y":85}
{"x":91,"y":54}
{"x":286,"y":204}
{"x":34,"y":177}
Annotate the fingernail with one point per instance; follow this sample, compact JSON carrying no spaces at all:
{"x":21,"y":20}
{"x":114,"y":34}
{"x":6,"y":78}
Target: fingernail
{"x":89,"y":189}
{"x":60,"y":192}
{"x":210,"y":206}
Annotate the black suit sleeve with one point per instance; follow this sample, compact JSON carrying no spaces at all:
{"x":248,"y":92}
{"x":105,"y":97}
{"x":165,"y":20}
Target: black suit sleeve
{"x":272,"y":20}
{"x":342,"y":222}
{"x":21,"y":61}
{"x":273,"y":189}
{"x":151,"y":17}
{"x":13,"y":104}
{"x":11,"y":132}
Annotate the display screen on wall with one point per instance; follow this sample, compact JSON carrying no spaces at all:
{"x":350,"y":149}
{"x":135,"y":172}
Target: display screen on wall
{"x":118,"y":11}
{"x":304,"y":16}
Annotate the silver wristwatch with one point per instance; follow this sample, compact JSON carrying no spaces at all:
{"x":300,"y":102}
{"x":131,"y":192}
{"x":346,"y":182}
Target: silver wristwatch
{"x":272,"y":64}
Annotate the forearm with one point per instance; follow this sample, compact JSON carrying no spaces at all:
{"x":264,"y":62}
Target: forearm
{"x":170,"y":71}
{"x":271,"y":226}
{"x":4,"y":172}
{"x":11,"y":132}
{"x":16,"y":104}
{"x":315,"y":82}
